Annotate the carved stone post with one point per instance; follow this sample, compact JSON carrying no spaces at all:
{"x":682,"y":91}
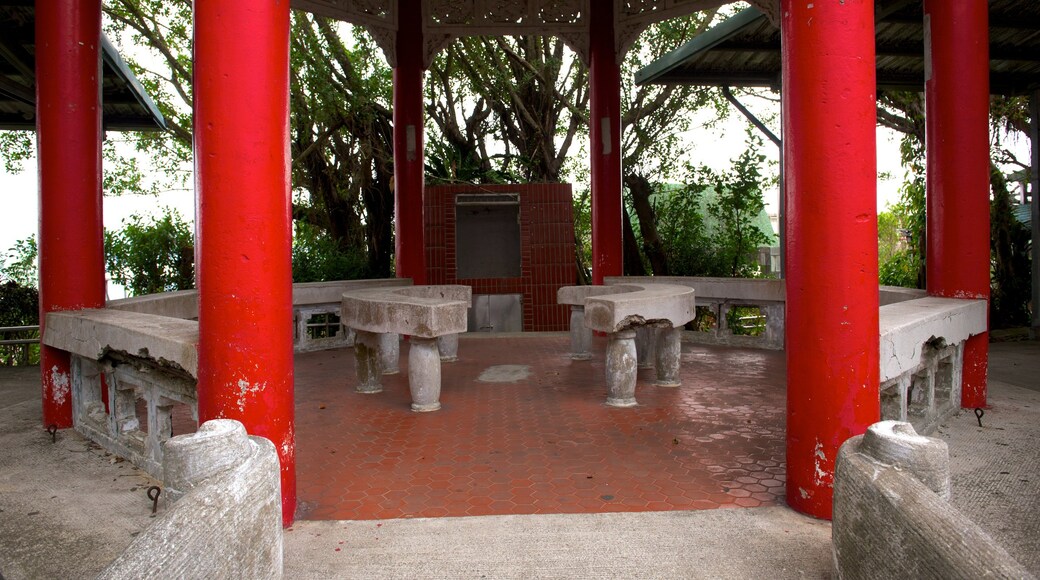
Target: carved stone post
{"x":646,"y":346}
{"x":581,"y":336}
{"x":389,"y":353}
{"x":448,"y":345}
{"x":621,"y":369}
{"x":366,"y":355}
{"x":669,"y":351}
{"x":424,"y":374}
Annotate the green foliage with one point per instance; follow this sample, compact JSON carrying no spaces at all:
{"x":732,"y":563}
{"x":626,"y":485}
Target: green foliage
{"x":746,"y":321}
{"x":15,"y":148}
{"x":709,"y":227}
{"x":19,"y":306}
{"x":898,"y":263}
{"x":900,"y":269}
{"x":317,"y":258}
{"x":1010,"y":280}
{"x":19,"y":264}
{"x":152,"y":255}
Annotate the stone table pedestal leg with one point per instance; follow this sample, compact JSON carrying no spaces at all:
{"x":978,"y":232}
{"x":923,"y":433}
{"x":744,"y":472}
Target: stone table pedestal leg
{"x":581,"y":337}
{"x":366,"y":355}
{"x":669,"y":351}
{"x":424,"y":374}
{"x":449,"y":347}
{"x":646,"y":346}
{"x":389,"y":352}
{"x":621,"y":369}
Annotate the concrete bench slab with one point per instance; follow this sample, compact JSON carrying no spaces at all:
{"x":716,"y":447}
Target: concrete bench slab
{"x":428,"y":314}
{"x":172,"y":343}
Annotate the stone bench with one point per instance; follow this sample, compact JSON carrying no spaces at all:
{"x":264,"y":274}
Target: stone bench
{"x":658,"y":311}
{"x":433,"y":316}
{"x":893,"y":517}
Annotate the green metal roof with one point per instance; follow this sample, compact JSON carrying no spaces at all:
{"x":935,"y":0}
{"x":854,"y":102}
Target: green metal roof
{"x":745,"y":50}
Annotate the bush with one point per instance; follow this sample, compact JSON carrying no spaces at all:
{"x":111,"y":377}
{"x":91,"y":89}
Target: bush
{"x":19,"y":306}
{"x":157,"y":255}
{"x":316,"y":257}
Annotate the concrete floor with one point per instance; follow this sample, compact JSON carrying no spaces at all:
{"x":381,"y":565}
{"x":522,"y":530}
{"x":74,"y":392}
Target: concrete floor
{"x":67,"y":508}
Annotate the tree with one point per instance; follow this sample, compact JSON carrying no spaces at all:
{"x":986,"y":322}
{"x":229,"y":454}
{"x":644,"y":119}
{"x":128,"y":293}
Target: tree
{"x":152,"y":255}
{"x":708,"y":227}
{"x":341,"y":133}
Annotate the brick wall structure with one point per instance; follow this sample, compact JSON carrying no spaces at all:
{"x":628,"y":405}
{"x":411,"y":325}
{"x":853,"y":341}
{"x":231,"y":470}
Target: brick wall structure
{"x":546,"y":248}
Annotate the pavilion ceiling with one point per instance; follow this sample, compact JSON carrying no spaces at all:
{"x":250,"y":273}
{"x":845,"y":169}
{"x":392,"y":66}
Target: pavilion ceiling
{"x":126,"y":105}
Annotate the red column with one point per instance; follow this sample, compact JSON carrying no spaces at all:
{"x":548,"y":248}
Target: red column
{"x":605,"y":143}
{"x":410,"y":246}
{"x":242,"y":184}
{"x":832,"y":270}
{"x":68,"y":145}
{"x":957,"y":149}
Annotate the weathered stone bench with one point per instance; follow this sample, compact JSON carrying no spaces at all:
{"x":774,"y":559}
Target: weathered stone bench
{"x":140,"y":356}
{"x":893,"y":517}
{"x":224,"y":516}
{"x":432,"y":316}
{"x":658,"y":310}
{"x":921,"y":357}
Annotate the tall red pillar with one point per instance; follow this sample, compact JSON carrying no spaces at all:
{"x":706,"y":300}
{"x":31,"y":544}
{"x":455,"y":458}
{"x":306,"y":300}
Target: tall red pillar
{"x":957,"y":150}
{"x":409,"y":238}
{"x":832,"y":270}
{"x":241,"y":131}
{"x":605,"y":143}
{"x":68,"y":146}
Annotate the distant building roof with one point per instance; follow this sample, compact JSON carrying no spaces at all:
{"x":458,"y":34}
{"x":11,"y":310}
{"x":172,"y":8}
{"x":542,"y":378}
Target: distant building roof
{"x":1024,"y":214}
{"x":125,"y":104}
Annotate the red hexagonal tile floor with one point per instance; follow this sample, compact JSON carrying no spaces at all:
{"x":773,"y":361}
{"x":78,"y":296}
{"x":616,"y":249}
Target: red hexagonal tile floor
{"x":546,"y":443}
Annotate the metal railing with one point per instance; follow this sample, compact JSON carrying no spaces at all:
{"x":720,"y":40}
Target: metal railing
{"x":17,"y":351}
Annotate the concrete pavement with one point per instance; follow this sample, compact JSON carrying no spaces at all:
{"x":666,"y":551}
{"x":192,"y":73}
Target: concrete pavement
{"x":68,"y":508}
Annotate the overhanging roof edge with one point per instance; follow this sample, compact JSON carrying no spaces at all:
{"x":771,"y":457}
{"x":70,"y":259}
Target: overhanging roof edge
{"x":704,"y":41}
{"x":119,"y":66}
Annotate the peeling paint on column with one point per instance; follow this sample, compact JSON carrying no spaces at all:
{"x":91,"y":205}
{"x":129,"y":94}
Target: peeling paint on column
{"x":61,"y":386}
{"x":246,"y":388}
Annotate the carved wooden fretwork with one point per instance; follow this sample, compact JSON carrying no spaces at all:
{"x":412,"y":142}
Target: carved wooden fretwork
{"x":445,"y":20}
{"x":632,"y":17}
{"x":379,"y":17}
{"x":771,"y":8}
{"x":567,"y":19}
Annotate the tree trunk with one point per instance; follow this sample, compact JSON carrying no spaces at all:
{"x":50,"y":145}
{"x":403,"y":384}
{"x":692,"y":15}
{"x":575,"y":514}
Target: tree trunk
{"x":640,"y":189}
{"x":632,"y":260}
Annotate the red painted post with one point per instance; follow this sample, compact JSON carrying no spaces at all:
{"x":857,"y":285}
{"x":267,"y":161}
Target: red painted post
{"x":242,"y":184}
{"x":957,"y":150}
{"x":832,"y":270}
{"x":68,"y":146}
{"x":410,"y":247}
{"x":605,"y":143}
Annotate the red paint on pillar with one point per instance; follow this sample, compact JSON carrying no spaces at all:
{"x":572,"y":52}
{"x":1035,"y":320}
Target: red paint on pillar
{"x":68,"y":145}
{"x":242,"y":185}
{"x":832,"y":272}
{"x":605,"y":143}
{"x":410,"y":247}
{"x":957,"y":149}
